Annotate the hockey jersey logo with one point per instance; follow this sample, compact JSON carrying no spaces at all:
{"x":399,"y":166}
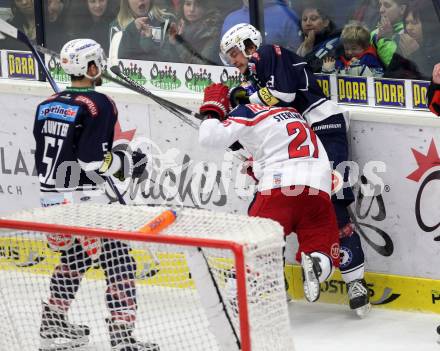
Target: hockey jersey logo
{"x":59,"y":111}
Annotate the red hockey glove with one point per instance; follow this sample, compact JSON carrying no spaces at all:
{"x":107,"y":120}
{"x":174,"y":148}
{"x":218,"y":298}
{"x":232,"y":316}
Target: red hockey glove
{"x":216,"y":101}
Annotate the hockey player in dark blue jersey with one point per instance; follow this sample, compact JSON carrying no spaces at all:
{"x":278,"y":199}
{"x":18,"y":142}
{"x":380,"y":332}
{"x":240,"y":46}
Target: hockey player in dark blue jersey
{"x":279,"y":77}
{"x":74,"y":132}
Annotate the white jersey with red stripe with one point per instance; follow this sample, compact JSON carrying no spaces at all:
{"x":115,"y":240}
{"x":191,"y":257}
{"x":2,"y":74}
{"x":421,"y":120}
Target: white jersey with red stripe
{"x":284,"y":149}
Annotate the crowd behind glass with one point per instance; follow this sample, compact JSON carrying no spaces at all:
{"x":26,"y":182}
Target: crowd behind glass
{"x":380,"y":38}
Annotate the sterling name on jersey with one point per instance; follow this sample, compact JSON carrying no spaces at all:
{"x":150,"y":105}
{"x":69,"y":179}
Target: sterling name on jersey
{"x":73,"y":130}
{"x":284,"y":79}
{"x":284,"y":148}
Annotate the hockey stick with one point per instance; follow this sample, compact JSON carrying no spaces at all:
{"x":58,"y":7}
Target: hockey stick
{"x":133,"y":86}
{"x":124,"y":81}
{"x":14,"y":33}
{"x":161,"y":101}
{"x":169,"y":105}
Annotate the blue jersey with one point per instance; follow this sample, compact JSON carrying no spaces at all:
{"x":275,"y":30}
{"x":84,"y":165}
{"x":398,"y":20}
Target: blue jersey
{"x":284,"y":79}
{"x":73,"y":130}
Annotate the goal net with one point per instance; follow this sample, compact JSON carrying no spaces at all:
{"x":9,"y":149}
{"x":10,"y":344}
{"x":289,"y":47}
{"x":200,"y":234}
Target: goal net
{"x":230,"y":292}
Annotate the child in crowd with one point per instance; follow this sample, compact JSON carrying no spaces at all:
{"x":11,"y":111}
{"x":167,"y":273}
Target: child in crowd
{"x":359,"y":58}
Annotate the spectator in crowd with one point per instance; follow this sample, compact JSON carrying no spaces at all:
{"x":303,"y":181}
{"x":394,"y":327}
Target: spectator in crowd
{"x":91,"y":19}
{"x":54,"y":23}
{"x":340,"y":11}
{"x":359,"y":57}
{"x":22,"y":18}
{"x":144,"y":32}
{"x":281,"y":24}
{"x":196,"y":33}
{"x":320,"y":37}
{"x":418,"y":47}
{"x":386,"y":36}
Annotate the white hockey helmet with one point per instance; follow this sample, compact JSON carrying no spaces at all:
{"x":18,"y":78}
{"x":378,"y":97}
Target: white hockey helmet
{"x":236,"y":36}
{"x":76,"y":55}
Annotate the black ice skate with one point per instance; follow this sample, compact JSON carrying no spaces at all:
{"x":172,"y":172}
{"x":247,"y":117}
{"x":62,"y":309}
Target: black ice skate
{"x":311,"y":271}
{"x":58,"y":334}
{"x":359,"y":298}
{"x":121,"y":338}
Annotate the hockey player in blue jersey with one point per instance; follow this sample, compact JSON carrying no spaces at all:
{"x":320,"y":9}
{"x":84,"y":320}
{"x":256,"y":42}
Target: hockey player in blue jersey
{"x":74,"y":131}
{"x":279,"y":77}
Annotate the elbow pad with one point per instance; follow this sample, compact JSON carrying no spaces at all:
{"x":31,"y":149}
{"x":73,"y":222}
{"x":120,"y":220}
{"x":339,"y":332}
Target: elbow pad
{"x":112,"y":163}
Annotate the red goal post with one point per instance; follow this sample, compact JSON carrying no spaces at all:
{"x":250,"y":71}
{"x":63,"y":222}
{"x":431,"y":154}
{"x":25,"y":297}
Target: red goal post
{"x":243,"y":256}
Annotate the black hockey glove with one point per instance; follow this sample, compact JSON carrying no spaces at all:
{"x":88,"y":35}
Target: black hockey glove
{"x":133,"y":165}
{"x":238,"y":96}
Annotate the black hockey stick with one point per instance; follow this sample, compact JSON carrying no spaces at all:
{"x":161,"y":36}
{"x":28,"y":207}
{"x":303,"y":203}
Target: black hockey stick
{"x":129,"y":84}
{"x":169,"y":105}
{"x":143,"y":91}
{"x":175,"y":109}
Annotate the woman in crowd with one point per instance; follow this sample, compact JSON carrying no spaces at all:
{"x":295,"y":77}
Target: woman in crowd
{"x":386,"y":36}
{"x":418,"y":48}
{"x":196,"y":33}
{"x":91,"y":19}
{"x":55,"y":23}
{"x":320,"y":37}
{"x":144,"y":29}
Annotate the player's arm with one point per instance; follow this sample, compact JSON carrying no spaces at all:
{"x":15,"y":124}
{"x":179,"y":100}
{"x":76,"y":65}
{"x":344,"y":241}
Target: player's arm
{"x":219,"y":134}
{"x":217,"y":131}
{"x":95,"y":146}
{"x":280,"y":75}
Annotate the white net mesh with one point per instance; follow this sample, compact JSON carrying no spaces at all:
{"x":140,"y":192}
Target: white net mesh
{"x":154,"y":284}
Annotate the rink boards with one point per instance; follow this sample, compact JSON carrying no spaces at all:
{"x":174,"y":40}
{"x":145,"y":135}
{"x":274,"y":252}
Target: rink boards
{"x":33,"y":256}
{"x":386,"y":290}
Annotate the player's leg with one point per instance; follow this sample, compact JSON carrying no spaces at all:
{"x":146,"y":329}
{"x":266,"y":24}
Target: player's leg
{"x":317,"y":233}
{"x":288,"y":206}
{"x":352,"y":265}
{"x":120,"y":271}
{"x":352,"y":268}
{"x":55,"y":330}
{"x":274,"y":206}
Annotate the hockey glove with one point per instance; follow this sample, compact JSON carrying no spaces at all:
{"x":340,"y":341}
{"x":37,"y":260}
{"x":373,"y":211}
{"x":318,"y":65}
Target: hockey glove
{"x":216,"y":102}
{"x":133,"y":164}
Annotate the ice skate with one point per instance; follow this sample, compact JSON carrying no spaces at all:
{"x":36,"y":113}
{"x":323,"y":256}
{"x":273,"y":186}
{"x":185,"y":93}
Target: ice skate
{"x":358,"y":295}
{"x":121,"y":338}
{"x":311,"y":271}
{"x":58,"y":334}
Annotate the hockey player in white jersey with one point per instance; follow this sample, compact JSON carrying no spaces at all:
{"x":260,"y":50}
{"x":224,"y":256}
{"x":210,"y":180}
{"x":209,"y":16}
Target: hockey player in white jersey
{"x":293,"y":173}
